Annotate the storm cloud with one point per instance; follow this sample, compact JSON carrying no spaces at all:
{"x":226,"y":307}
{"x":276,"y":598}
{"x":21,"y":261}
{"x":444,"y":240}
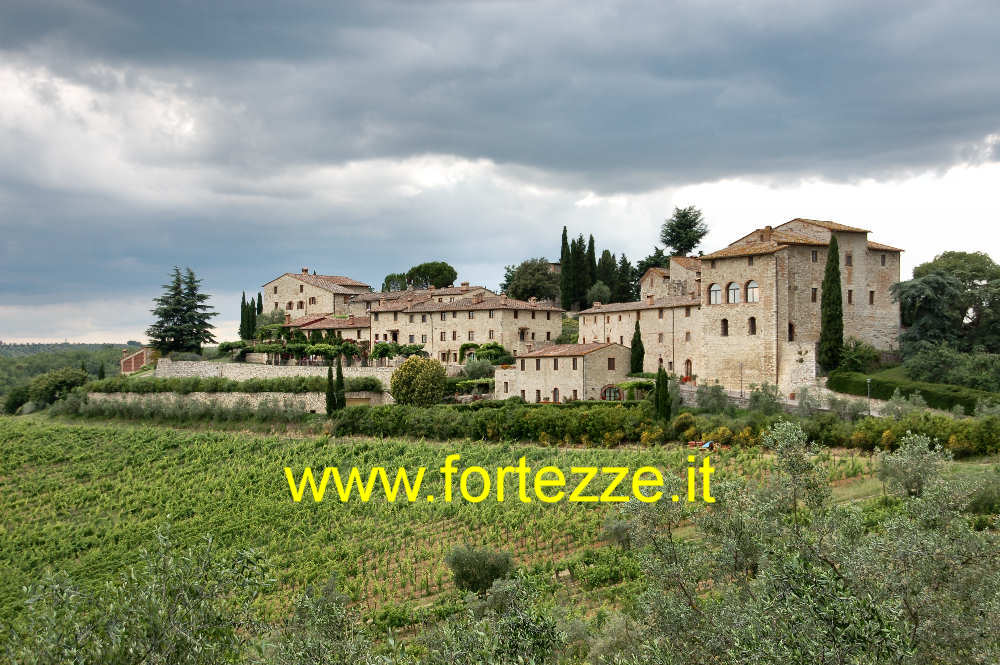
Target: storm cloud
{"x":250,"y":138}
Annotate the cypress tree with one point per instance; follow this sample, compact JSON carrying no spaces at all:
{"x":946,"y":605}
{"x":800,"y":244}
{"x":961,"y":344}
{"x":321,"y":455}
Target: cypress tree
{"x":338,"y":386}
{"x":638,"y":352}
{"x":260,"y":304}
{"x":661,"y":399}
{"x":243,"y":316}
{"x":251,"y":319}
{"x":578,"y":259}
{"x":591,"y":264}
{"x":331,"y":396}
{"x":100,"y":371}
{"x":565,"y":274}
{"x":831,"y":334}
{"x":625,"y":282}
{"x":83,"y":367}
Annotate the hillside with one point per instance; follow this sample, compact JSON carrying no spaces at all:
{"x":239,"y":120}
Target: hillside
{"x":18,"y":365}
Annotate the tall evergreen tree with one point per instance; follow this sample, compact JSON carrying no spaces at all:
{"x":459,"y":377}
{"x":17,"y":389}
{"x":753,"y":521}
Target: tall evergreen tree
{"x":683,"y":231}
{"x":565,"y":273}
{"x":625,"y":286}
{"x":831,"y":334}
{"x":196,"y":314}
{"x":100,"y":371}
{"x":661,"y":397}
{"x":638,"y":351}
{"x":578,"y":258}
{"x":182,"y":317}
{"x":607,"y":271}
{"x":260,"y":304}
{"x":331,"y":394}
{"x":591,"y":263}
{"x":243,"y":316}
{"x":338,"y":386}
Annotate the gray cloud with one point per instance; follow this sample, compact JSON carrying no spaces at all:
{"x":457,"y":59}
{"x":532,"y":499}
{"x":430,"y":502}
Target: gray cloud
{"x":246,"y":138}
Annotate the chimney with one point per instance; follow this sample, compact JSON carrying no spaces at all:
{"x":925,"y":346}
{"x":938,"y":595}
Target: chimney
{"x":649,"y":298}
{"x":305,"y":271}
{"x":765,"y":235}
{"x":597,"y":304}
{"x":430,"y":288}
{"x":465,"y":284}
{"x":381,"y":301}
{"x":532,"y":299}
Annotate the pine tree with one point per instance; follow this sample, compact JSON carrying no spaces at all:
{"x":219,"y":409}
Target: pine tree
{"x":338,"y":386}
{"x":638,"y":351}
{"x":100,"y":370}
{"x":831,"y":334}
{"x":182,"y":317}
{"x":565,"y":274}
{"x":684,"y":231}
{"x":607,"y":272}
{"x":331,"y":396}
{"x":624,"y":289}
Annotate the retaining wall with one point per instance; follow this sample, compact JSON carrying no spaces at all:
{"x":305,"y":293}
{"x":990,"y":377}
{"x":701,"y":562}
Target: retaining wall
{"x":312,"y":402}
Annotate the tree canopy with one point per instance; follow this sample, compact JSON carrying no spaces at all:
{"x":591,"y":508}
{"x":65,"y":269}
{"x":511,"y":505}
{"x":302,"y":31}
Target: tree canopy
{"x":433,"y":273}
{"x":182,"y":317}
{"x":532,"y":278}
{"x":683,"y":232}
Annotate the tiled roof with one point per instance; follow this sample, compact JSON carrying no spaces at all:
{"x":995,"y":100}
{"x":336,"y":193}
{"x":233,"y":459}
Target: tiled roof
{"x":692,"y":263}
{"x":566,"y":350}
{"x":492,"y":302}
{"x":747,"y":249}
{"x":395,"y":295}
{"x":656,"y":270}
{"x":883,"y":248}
{"x":333,"y":283}
{"x":304,"y":320}
{"x":399,"y":304}
{"x":671,"y":301}
{"x":830,"y":226}
{"x":337,"y":323}
{"x":792,"y":238}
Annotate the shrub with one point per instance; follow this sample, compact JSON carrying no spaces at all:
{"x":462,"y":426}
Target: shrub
{"x":419,"y":381}
{"x":912,"y":467}
{"x":47,"y":388}
{"x":494,"y":354}
{"x":682,"y":423}
{"x":937,"y":395}
{"x":479,"y":369}
{"x":712,"y":398}
{"x":857,"y":356}
{"x":184,"y":355}
{"x":13,"y":400}
{"x":764,"y":398}
{"x":944,"y":364}
{"x":475,"y":569}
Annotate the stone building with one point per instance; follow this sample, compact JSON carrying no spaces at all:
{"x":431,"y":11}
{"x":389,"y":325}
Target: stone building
{"x":564,"y":372}
{"x":519,"y":326}
{"x":750,"y":312}
{"x":360,"y":305}
{"x":300,"y":294}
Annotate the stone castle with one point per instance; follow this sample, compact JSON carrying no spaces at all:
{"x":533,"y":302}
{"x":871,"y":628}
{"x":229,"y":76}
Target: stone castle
{"x":748,"y":313}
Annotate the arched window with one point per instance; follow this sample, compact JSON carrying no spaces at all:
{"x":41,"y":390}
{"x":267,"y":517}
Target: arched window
{"x":791,"y":332}
{"x":752,"y":325}
{"x":688,"y":367}
{"x":725,"y":327}
{"x":753,"y":292}
{"x":611,"y":393}
{"x":733,"y":293}
{"x":714,"y":294}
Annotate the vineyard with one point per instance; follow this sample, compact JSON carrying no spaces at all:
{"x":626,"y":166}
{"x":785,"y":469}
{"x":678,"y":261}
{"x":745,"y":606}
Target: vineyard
{"x":86,"y":499}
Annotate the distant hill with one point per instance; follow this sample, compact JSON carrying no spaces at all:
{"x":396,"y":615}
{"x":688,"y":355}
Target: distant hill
{"x":20,"y":362}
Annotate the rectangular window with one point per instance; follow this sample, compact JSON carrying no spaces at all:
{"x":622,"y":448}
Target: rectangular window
{"x":659,"y":314}
{"x":574,"y":393}
{"x":301,"y":288}
{"x":574,"y":363}
{"x":376,"y":337}
{"x":443,"y":316}
{"x":871,"y":297}
{"x":411,"y":339}
{"x":548,"y":336}
{"x":276,"y":289}
{"x":395,"y":316}
{"x":491,"y":313}
{"x":454,"y":315}
{"x":538,"y":364}
{"x":711,"y":264}
{"x":548,"y":316}
{"x":815,"y":294}
{"x":472,"y":335}
{"x":749,"y":260}
{"x":687,"y":311}
{"x":515,"y":313}
{"x":532,"y":336}
{"x":423,"y":339}
{"x":423,"y":318}
{"x":659,"y":337}
{"x":883,"y":259}
{"x":850,"y":297}
{"x":472,"y":314}
{"x":687,"y":336}
{"x":410,"y":318}
{"x":670,"y":366}
{"x":555,"y":363}
{"x":815,"y":256}
{"x":532,"y":313}
{"x":538,"y":396}
{"x":621,"y":339}
{"x":312,"y":300}
{"x":522,"y":394}
{"x":505,"y":387}
{"x":611,"y":364}
{"x":301,"y":305}
{"x":522,"y":369}
{"x":442,"y":336}
{"x":454,"y":334}
{"x":849,"y":259}
{"x":491,"y":334}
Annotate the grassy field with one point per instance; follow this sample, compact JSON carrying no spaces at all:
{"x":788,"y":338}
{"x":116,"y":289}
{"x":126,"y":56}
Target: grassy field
{"x":86,"y":498}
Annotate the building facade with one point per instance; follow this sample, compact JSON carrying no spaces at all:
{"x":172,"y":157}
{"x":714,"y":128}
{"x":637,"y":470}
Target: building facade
{"x":564,"y":372}
{"x":303,"y":294}
{"x":750,"y":313}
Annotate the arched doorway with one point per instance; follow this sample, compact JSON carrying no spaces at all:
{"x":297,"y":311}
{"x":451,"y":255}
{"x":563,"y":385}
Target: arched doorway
{"x":611,"y":393}
{"x":688,"y":367}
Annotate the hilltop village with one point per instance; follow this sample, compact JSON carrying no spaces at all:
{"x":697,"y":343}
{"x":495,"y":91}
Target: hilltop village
{"x":747,"y":313}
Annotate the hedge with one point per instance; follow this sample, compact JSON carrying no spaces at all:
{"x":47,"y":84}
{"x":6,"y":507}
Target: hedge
{"x":183,"y":386}
{"x":937,"y":395}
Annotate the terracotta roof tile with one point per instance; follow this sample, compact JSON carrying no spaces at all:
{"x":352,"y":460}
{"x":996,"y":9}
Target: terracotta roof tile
{"x":333,"y":283}
{"x":567,"y":350}
{"x":692,"y":263}
{"x":304,"y":320}
{"x":831,"y":226}
{"x":493,"y":302}
{"x":883,"y":248}
{"x":395,"y":295}
{"x":337,"y":323}
{"x":747,"y":249}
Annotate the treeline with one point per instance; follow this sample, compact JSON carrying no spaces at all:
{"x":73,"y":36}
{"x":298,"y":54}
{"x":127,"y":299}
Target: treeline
{"x":31,"y":348}
{"x":20,"y":369}
{"x":583,"y":279}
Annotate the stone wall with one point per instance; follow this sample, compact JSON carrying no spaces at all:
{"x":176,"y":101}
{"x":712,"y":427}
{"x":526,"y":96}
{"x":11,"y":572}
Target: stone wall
{"x":312,"y":402}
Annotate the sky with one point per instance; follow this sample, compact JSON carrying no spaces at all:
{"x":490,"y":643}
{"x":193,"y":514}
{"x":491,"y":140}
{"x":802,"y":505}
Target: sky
{"x":246,"y":139}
